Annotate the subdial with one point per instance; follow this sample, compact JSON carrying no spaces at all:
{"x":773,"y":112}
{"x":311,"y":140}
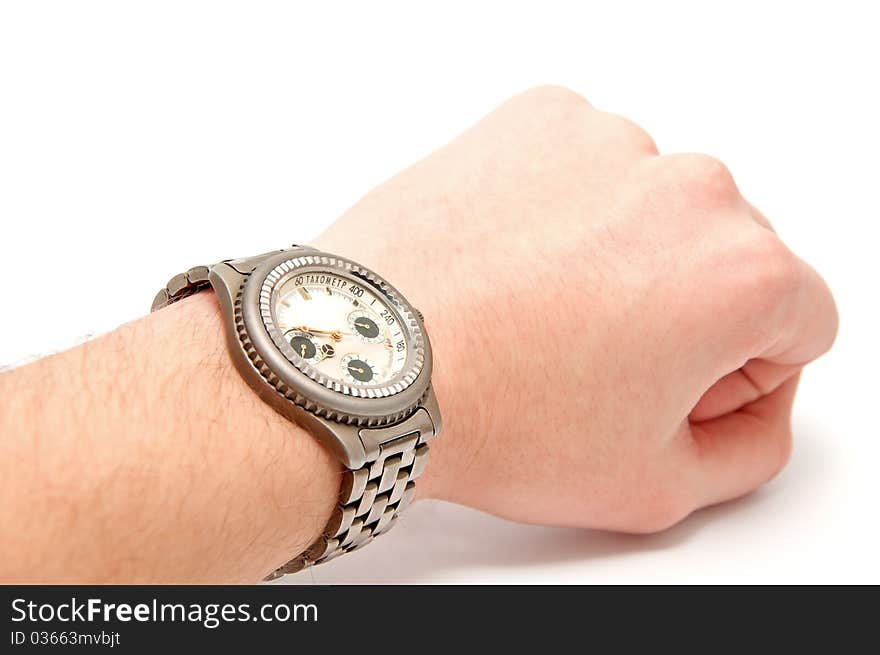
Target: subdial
{"x":304,"y":345}
{"x":365,"y":327}
{"x":357,"y":369}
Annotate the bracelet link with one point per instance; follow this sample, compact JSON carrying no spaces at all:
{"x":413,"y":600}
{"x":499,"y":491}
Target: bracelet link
{"x":373,"y":496}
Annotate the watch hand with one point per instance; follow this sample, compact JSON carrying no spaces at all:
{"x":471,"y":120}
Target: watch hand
{"x":355,"y":368}
{"x":302,"y":351}
{"x":336,"y":335}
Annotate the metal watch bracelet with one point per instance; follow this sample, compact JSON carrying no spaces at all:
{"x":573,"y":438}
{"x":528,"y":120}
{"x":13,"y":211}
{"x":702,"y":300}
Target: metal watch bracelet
{"x":371,"y":497}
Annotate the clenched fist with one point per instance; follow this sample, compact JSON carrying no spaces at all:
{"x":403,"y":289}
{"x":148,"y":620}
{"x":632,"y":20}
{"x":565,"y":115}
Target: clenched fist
{"x":617,"y":334}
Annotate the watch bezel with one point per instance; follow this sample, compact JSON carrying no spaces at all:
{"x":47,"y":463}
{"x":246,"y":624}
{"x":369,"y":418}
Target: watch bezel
{"x":301,"y":383}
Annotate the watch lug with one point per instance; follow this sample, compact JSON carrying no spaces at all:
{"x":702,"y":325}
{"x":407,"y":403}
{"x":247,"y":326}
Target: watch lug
{"x":226,"y":282}
{"x":246,"y":265}
{"x":341,"y":439}
{"x":425,"y":421}
{"x":433,"y":408}
{"x":375,"y":439}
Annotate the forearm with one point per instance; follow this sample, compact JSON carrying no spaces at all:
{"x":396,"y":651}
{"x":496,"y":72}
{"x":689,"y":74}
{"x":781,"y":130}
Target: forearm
{"x":143,"y":456}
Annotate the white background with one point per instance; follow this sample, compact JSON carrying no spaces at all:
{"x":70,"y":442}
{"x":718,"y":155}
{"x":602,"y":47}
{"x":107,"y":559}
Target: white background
{"x":126,"y":129}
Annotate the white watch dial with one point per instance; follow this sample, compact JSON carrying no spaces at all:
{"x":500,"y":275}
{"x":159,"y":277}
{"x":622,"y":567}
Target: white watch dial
{"x":341,"y":328}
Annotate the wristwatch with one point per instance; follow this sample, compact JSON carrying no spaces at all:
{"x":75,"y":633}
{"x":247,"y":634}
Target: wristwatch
{"x":335,"y":348}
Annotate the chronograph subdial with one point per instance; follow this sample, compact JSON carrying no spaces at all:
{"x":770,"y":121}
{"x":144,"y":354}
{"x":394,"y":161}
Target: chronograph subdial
{"x":365,"y":327}
{"x":357,"y":369}
{"x":305,"y":345}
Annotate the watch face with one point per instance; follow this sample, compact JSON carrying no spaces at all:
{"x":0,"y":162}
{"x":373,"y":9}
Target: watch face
{"x":342,"y":326}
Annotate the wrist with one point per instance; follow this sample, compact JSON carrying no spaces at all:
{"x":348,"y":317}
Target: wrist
{"x":279,"y":481}
{"x":258,"y":361}
{"x":448,"y":474}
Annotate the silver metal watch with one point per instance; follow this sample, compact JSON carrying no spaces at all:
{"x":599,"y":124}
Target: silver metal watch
{"x":331,"y":345}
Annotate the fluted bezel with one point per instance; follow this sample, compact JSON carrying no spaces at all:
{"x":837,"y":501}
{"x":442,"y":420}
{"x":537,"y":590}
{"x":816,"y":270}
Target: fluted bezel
{"x":302,"y":383}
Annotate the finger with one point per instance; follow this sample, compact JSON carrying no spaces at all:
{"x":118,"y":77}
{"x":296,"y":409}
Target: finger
{"x":740,"y":451}
{"x":807,"y":321}
{"x":801,"y":322}
{"x":745,"y":385}
{"x":770,"y":305}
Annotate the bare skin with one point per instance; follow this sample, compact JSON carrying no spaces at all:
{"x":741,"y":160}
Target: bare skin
{"x":618,"y":337}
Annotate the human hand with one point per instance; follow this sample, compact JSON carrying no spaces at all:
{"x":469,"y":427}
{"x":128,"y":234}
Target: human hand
{"x":618,"y":335}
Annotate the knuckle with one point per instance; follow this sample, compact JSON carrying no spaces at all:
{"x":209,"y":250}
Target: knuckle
{"x":701,"y":177}
{"x":771,"y":268}
{"x":550,"y":117}
{"x":629,"y":132}
{"x":710,"y":173}
{"x":756,"y":277}
{"x":550,"y":95}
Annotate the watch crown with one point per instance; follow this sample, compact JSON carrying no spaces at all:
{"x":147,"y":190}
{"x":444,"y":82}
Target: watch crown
{"x":420,"y":315}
